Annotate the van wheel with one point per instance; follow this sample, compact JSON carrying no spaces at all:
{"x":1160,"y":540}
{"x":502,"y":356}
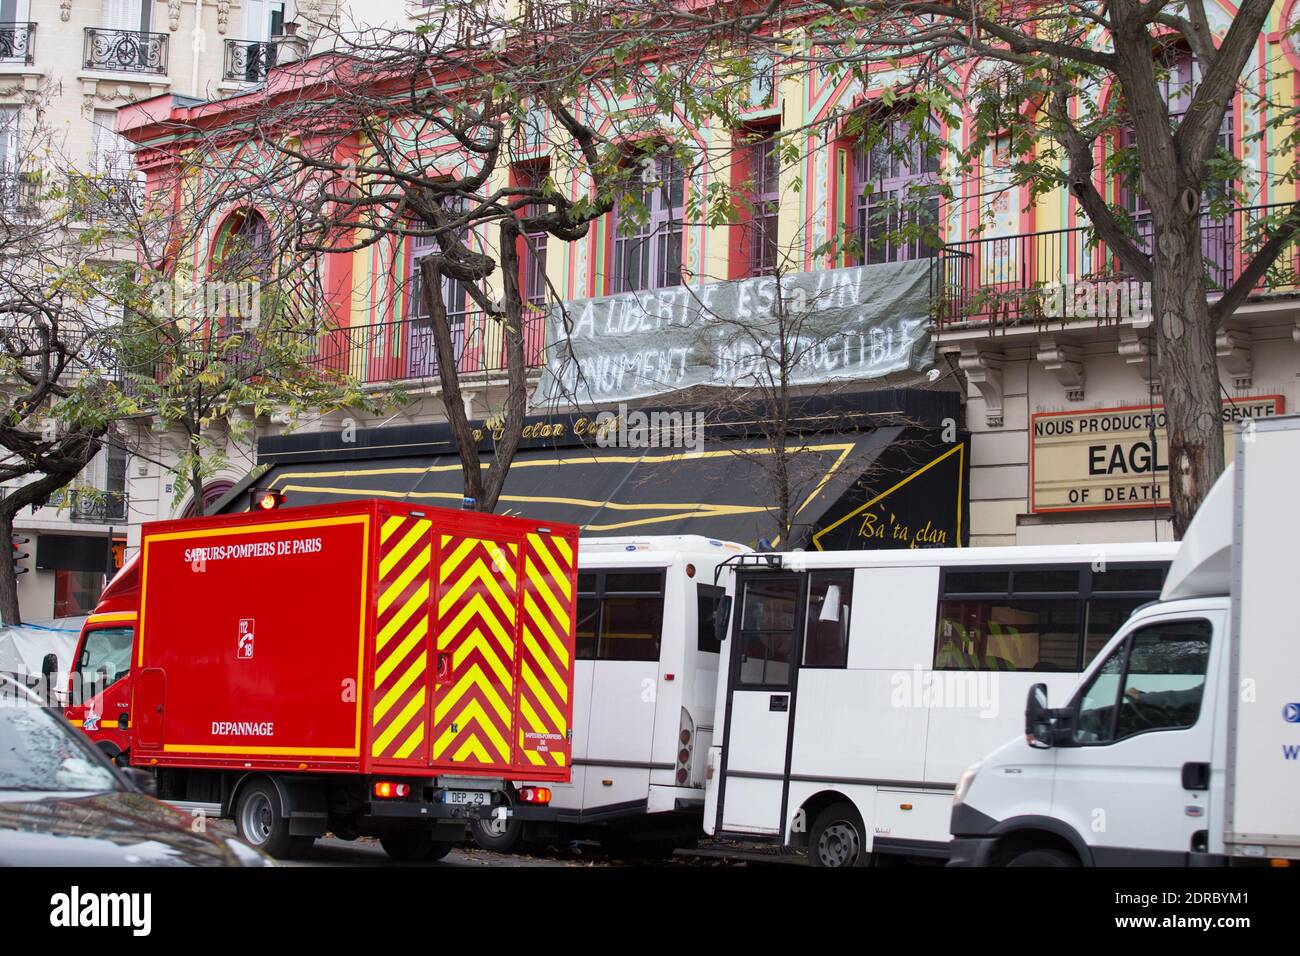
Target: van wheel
{"x":500,"y":836}
{"x":262,"y":825}
{"x":1044,"y":856}
{"x":414,"y":846}
{"x":838,"y":838}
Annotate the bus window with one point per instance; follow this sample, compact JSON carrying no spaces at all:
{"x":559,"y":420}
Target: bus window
{"x":588,"y":624}
{"x":712,"y":607}
{"x":767,"y":630}
{"x":826,"y":635}
{"x":620,"y":615}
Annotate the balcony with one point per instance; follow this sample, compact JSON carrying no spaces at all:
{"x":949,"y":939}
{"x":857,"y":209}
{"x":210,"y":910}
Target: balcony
{"x":96,"y":507}
{"x":248,"y":61}
{"x":404,"y":351}
{"x":1011,"y":280}
{"x":17,"y":43}
{"x":104,"y":199}
{"x":126,"y":51}
{"x":19,"y":193}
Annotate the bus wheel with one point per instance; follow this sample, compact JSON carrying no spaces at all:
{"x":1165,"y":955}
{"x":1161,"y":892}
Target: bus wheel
{"x":261,"y":823}
{"x":838,"y":837}
{"x":1044,"y":856}
{"x":414,"y":846}
{"x":500,"y":836}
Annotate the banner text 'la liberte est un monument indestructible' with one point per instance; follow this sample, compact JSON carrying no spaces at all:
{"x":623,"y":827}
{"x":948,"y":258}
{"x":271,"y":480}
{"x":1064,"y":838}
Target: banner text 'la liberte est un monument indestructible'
{"x":842,"y":324}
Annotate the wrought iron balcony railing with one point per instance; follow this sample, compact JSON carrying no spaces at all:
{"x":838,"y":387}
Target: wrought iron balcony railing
{"x":17,"y":43}
{"x":19,"y":192}
{"x":104,"y":199}
{"x":1026,"y":278}
{"x":126,"y":51}
{"x":248,"y":61}
{"x":96,"y":507}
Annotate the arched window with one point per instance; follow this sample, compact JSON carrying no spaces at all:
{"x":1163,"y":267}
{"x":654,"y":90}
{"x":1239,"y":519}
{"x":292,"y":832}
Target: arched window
{"x":212,"y":493}
{"x":242,"y":249}
{"x":894,"y":191}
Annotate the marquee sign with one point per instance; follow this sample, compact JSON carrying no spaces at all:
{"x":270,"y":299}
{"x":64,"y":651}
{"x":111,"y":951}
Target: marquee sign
{"x":1104,"y":459}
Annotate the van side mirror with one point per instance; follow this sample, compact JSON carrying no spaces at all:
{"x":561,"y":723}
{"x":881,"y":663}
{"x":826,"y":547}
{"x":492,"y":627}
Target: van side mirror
{"x":1039,"y":729}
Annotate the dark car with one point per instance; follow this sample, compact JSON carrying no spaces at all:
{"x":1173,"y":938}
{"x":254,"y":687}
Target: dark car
{"x":62,"y":803}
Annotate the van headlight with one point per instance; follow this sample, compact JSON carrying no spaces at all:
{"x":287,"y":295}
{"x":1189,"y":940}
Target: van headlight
{"x":964,"y":782}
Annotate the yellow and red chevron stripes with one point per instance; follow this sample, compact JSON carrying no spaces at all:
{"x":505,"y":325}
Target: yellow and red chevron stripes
{"x":400,"y":697}
{"x":546,"y":658}
{"x":478,"y":581}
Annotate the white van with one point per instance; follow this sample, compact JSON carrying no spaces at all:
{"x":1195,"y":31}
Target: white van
{"x":860,"y":684}
{"x":1181,"y":744}
{"x":644,"y":686}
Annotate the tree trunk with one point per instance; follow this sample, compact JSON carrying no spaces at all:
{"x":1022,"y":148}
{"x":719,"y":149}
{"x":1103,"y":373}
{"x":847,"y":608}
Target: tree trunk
{"x":1188,"y":366}
{"x":512,"y":422}
{"x":196,"y":489}
{"x":8,"y":580}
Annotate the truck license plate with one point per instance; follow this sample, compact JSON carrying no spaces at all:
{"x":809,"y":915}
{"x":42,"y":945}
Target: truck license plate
{"x":467,"y":798}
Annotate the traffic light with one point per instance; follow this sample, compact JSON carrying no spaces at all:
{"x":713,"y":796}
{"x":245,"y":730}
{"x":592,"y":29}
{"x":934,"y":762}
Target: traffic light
{"x":17,"y":542}
{"x":264,"y":499}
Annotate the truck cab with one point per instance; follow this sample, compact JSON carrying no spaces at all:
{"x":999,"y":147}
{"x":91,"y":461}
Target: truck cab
{"x":99,"y":681}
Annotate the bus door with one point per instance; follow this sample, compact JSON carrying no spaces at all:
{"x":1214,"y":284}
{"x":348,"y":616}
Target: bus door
{"x":761,"y":701}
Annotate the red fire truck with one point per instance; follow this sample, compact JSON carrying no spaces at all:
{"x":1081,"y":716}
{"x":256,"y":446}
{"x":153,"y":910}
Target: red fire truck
{"x":359,"y":668}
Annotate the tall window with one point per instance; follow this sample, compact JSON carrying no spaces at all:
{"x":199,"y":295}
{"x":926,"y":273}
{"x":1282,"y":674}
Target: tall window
{"x":533,"y":258}
{"x":454,"y":296}
{"x":1180,"y":75}
{"x":112,"y":151}
{"x":648,"y":245}
{"x":895,"y":194}
{"x":765,"y":174}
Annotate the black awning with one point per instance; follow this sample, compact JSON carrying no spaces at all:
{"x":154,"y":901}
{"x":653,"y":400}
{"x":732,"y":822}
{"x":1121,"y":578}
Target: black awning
{"x":724,"y":491}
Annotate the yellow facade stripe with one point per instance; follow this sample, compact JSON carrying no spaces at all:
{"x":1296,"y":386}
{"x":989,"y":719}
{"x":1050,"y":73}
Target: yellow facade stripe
{"x":397,"y":552}
{"x":473,"y":676}
{"x":395,"y":693}
{"x":559,"y":578}
{"x":542,"y":624}
{"x":398,"y":654}
{"x":450,"y":562}
{"x":548,"y":705}
{"x":419,"y":564}
{"x":539,"y":657}
{"x":410,"y":743}
{"x":398,"y":621}
{"x":391,"y":525}
{"x":479,"y":641}
{"x":476,"y":605}
{"x":399,"y":723}
{"x":541,"y":587}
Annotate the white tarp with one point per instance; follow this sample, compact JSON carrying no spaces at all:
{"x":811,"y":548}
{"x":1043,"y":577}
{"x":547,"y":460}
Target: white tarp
{"x":23,"y":648}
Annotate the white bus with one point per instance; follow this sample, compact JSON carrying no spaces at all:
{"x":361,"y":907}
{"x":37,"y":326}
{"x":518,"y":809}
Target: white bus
{"x":859,"y":685}
{"x":645,"y":682}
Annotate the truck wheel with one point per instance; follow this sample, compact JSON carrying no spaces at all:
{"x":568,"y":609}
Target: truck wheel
{"x":500,"y":836}
{"x":838,"y":838}
{"x":414,"y":846}
{"x":1044,"y":856}
{"x":262,"y":825}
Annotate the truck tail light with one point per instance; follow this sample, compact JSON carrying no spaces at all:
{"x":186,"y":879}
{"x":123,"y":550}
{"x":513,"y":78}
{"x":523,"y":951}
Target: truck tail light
{"x":686,"y":736}
{"x":539,"y":795}
{"x":388,"y":790}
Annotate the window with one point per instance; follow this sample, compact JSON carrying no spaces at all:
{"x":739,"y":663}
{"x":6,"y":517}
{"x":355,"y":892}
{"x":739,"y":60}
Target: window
{"x":648,"y":229}
{"x":767,"y":630}
{"x":1154,"y":681}
{"x":1040,"y":619}
{"x":454,"y":296}
{"x":243,"y":246}
{"x":620,"y":615}
{"x":533,"y":257}
{"x":894,"y":193}
{"x":112,"y":152}
{"x":765,"y":175}
{"x":712,"y":608}
{"x":826,"y":634}
{"x":76,"y":592}
{"x":106,"y":656}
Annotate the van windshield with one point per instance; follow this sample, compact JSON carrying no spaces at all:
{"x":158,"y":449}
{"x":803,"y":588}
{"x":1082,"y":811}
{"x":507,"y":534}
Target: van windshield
{"x":37,"y":753}
{"x":107,"y":655}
